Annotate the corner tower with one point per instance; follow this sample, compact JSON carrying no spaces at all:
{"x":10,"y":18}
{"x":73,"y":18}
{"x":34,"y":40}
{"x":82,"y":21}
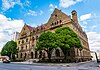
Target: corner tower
{"x":74,"y":16}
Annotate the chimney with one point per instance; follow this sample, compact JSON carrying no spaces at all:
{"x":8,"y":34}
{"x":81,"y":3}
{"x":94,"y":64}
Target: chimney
{"x":74,"y":16}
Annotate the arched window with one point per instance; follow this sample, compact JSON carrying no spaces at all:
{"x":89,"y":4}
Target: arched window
{"x":27,"y":40}
{"x":26,"y":46}
{"x":19,"y":42}
{"x":35,"y":54}
{"x":22,"y":41}
{"x":60,"y":21}
{"x":25,"y":56}
{"x":57,"y":22}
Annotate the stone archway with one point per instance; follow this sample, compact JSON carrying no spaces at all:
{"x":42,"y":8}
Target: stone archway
{"x":31,"y":55}
{"x":57,"y":53}
{"x":25,"y":56}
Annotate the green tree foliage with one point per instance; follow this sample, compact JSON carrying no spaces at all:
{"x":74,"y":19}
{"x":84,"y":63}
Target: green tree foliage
{"x":47,"y":41}
{"x":68,"y":38}
{"x":9,"y":49}
{"x":65,"y":38}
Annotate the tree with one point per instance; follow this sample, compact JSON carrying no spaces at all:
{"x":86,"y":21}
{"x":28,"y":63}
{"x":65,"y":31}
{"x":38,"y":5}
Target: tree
{"x":9,"y":49}
{"x":67,"y":39}
{"x":47,"y":42}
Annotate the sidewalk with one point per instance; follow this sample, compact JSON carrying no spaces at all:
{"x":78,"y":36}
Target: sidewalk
{"x":53,"y":64}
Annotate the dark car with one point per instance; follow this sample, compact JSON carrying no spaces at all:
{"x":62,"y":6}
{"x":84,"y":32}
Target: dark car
{"x":6,"y":61}
{"x":98,"y":60}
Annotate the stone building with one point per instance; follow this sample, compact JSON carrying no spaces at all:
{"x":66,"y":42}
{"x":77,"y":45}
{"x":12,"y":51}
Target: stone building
{"x":29,"y":35}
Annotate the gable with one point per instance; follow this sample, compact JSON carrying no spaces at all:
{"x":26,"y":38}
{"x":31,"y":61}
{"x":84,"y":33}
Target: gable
{"x":25,"y":31}
{"x":58,"y":15}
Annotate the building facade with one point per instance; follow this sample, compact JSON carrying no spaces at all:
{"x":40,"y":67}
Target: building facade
{"x":28,"y":36}
{"x":15,"y":36}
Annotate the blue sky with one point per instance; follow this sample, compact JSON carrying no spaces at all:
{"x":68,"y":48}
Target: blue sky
{"x":14,"y":13}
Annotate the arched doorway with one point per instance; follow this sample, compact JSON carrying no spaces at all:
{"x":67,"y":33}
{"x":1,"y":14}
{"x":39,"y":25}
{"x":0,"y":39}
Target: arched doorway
{"x":31,"y":55}
{"x":24,"y":56}
{"x":21,"y":55}
{"x":57,"y":53}
{"x":35,"y":54}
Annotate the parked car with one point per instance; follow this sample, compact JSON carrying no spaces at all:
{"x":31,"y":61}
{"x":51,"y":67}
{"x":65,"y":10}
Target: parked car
{"x":98,"y":60}
{"x":6,"y":61}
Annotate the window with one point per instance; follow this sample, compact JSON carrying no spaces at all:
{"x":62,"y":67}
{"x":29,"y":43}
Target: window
{"x":56,"y":15}
{"x":51,"y":24}
{"x":21,"y":48}
{"x":26,"y":46}
{"x":22,"y":41}
{"x":35,"y":54}
{"x":60,"y":21}
{"x":33,"y":38}
{"x":19,"y":42}
{"x":27,"y":40}
{"x":36,"y":37}
{"x":32,"y":45}
{"x":21,"y":55}
{"x":57,"y":22}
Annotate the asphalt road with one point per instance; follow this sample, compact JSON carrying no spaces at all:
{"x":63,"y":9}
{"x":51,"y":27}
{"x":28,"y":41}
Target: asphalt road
{"x":15,"y":66}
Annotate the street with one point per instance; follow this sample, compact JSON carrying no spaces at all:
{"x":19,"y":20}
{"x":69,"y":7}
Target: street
{"x":16,"y":66}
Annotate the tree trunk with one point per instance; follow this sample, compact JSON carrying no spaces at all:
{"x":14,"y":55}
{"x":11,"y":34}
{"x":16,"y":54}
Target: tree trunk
{"x":49,"y":56}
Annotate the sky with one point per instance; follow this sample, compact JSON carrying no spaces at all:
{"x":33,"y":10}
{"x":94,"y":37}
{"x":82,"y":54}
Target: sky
{"x":15,"y":13}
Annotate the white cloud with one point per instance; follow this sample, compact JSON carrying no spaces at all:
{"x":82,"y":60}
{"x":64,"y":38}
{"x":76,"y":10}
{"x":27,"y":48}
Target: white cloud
{"x":7,"y":27}
{"x":85,"y":17}
{"x":27,"y":3}
{"x":32,"y":13}
{"x":94,"y":40}
{"x":52,"y":7}
{"x":41,"y":12}
{"x":7,"y":4}
{"x":94,"y":26}
{"x":67,"y":3}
